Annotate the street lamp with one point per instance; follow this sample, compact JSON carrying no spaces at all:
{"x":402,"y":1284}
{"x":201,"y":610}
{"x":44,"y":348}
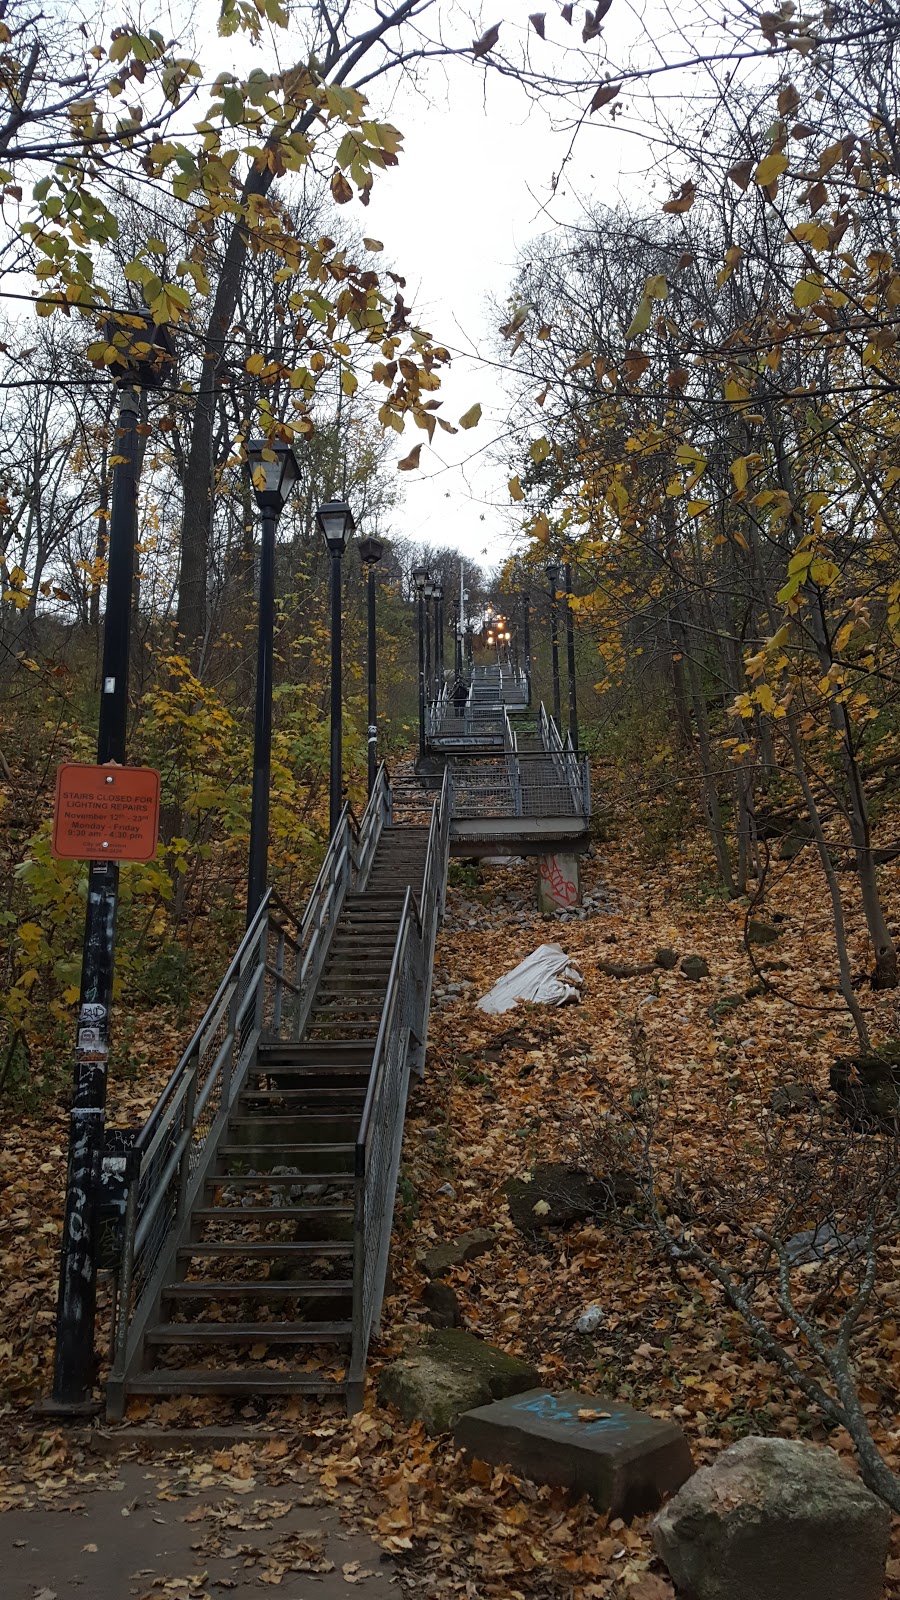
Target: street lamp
{"x":570,"y":658}
{"x":371,"y":551}
{"x":146,"y":358}
{"x":420,"y":578}
{"x":552,"y":570}
{"x":336,"y":524}
{"x":428,"y":592}
{"x":438,"y":639}
{"x":274,"y":470}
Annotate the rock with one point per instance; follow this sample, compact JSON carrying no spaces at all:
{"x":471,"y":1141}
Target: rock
{"x":790,"y":1097}
{"x":794,"y":842}
{"x":443,"y":1306}
{"x":625,"y":1460}
{"x":443,"y":1257}
{"x":667,"y":959}
{"x":823,"y":1243}
{"x":448,"y":1191}
{"x":774,"y":1519}
{"x":868,"y":1087}
{"x":555,"y":1195}
{"x":761,"y":932}
{"x":695,"y":968}
{"x":590,"y":1320}
{"x":449,"y":1373}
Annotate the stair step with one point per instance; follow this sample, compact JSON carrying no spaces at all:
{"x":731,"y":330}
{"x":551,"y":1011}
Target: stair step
{"x":268,"y":1213}
{"x":256,"y":1289}
{"x":320,"y":1096}
{"x":285,"y":1150}
{"x":250,"y":1333}
{"x":265,"y":1248}
{"x":315,"y":1119}
{"x":247,"y":1380}
{"x":277,"y":1180}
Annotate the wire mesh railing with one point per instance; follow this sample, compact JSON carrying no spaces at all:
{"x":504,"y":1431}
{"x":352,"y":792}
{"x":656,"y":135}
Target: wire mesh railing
{"x":399,"y":1048}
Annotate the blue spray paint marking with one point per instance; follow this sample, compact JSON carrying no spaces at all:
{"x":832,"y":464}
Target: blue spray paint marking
{"x":550,"y":1409}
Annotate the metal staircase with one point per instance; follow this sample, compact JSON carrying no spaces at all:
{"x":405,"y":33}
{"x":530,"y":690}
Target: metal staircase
{"x":261,"y":1191}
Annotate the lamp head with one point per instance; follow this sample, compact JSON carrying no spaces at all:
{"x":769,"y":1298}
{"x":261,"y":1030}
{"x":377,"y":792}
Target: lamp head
{"x":420,"y":578}
{"x":371,"y":551}
{"x":274,"y":469}
{"x":428,"y":589}
{"x":552,"y":570}
{"x":335,"y":520}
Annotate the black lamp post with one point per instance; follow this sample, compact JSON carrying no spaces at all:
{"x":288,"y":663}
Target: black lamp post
{"x":336,"y":523}
{"x":273,"y":471}
{"x":147,"y":358}
{"x":526,"y":641}
{"x":420,"y":578}
{"x":428,"y":592}
{"x":438,"y":639}
{"x":470,"y":646}
{"x":570,"y":658}
{"x":457,"y":646}
{"x":371,"y":551}
{"x":553,"y":576}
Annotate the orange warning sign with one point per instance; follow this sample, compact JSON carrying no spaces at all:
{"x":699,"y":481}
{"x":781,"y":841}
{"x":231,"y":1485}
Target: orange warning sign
{"x":105,"y":813}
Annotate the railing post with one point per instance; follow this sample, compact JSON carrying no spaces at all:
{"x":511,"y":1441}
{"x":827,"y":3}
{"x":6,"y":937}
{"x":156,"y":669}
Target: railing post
{"x":126,"y":1276}
{"x":279,"y":983}
{"x":228,"y":1065}
{"x":359,"y":1335}
{"x":184,"y":1166}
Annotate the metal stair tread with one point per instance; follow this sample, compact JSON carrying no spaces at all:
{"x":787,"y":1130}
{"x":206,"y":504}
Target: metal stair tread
{"x":268,"y":1213}
{"x":252,"y":1332}
{"x":255,"y":1289}
{"x":246,"y":1380}
{"x":265,"y":1247}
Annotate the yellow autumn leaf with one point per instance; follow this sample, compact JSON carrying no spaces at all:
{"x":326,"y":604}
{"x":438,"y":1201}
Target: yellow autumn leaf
{"x":410,"y":462}
{"x":807,"y":292}
{"x":515,"y":489}
{"x":697,"y":507}
{"x":771,"y":167}
{"x":657,"y":288}
{"x":472,"y":417}
{"x":738,"y":470}
{"x":640,"y":322}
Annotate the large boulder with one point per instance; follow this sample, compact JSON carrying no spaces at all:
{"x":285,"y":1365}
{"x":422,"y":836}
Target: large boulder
{"x":868,"y":1087}
{"x":773,"y":1519}
{"x":556,"y":1195}
{"x":448,"y":1373}
{"x":442,"y":1258}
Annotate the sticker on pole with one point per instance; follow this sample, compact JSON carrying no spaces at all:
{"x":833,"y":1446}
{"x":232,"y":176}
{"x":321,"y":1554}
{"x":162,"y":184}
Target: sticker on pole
{"x":105,"y":813}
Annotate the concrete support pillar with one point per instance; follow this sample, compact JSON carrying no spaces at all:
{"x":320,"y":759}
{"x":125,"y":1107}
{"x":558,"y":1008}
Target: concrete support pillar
{"x":559,"y":882}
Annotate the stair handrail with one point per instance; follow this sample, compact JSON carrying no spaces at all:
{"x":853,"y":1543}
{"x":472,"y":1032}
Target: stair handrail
{"x":377,"y":1149}
{"x":169,"y":1153}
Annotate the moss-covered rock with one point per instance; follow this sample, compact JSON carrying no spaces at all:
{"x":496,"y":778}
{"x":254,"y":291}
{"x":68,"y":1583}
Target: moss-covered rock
{"x":448,"y":1373}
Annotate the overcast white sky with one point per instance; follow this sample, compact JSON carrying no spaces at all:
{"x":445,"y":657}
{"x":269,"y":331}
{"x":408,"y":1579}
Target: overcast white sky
{"x":466,"y":197}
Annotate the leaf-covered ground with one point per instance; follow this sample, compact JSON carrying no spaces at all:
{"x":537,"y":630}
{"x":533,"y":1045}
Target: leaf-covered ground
{"x":500,"y":1094}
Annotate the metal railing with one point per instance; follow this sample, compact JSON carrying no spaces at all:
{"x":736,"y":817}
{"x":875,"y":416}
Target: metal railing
{"x":573,"y":770}
{"x":399,"y":1048}
{"x":266,"y":992}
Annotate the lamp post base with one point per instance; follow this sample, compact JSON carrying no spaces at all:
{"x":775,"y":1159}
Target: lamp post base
{"x":65,"y":1410}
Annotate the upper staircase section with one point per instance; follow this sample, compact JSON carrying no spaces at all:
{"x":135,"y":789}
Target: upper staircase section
{"x":474,"y":725}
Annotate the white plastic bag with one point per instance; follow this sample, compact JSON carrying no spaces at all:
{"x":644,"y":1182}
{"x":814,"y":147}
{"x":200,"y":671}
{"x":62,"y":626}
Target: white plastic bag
{"x":547,"y":978}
